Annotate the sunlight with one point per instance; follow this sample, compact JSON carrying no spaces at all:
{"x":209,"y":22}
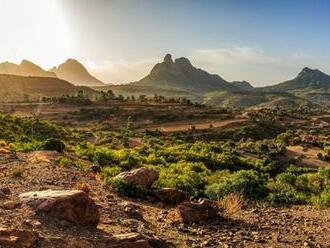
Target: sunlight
{"x":33,"y":30}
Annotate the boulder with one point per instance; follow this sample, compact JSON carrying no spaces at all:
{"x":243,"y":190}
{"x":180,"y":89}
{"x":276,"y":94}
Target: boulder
{"x":71,"y":205}
{"x":18,"y":238}
{"x":171,"y":196}
{"x":130,"y":240}
{"x":136,"y":240}
{"x":141,"y":176}
{"x":201,"y":211}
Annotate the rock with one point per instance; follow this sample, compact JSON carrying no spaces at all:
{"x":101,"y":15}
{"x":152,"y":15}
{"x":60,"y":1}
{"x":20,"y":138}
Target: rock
{"x":133,"y":211}
{"x":130,"y":240}
{"x":202,"y":211}
{"x":141,"y":176}
{"x":71,"y":205}
{"x":171,"y":196}
{"x":18,"y":238}
{"x":136,"y":240}
{"x":10,"y":205}
{"x":4,"y":192}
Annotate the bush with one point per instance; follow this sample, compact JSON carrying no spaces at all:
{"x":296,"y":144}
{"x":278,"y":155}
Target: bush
{"x":52,"y":144}
{"x":189,"y":177}
{"x":247,"y":182}
{"x":128,"y":189}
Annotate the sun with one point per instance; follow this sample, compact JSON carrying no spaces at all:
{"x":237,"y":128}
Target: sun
{"x":34,"y":30}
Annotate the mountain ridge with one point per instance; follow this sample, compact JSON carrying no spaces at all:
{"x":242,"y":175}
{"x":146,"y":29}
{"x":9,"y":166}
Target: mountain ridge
{"x":25,"y":68}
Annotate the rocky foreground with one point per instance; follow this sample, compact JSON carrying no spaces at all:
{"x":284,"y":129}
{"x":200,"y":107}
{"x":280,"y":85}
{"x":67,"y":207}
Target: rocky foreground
{"x":46,"y":205}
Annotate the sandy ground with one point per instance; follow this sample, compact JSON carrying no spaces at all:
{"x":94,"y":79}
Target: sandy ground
{"x":307,"y":156}
{"x":199,"y":125}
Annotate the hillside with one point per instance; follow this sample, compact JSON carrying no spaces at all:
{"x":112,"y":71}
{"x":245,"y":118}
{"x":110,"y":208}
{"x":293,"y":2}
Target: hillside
{"x":243,"y":85}
{"x":74,"y":72}
{"x":25,"y":68}
{"x":306,"y":79}
{"x":18,"y":88}
{"x":181,"y":74}
{"x":138,"y":90}
{"x":255,"y":99}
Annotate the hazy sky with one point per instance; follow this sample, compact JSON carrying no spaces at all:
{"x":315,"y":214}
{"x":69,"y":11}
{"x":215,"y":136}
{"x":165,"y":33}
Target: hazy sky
{"x":119,"y":41}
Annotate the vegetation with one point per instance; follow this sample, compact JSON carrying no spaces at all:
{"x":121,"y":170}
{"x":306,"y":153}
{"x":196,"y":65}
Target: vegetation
{"x":232,"y":165}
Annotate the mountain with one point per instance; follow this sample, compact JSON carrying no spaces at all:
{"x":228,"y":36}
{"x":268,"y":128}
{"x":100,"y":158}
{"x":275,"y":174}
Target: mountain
{"x":20,"y":88}
{"x":25,"y":68}
{"x":74,"y":72}
{"x":181,"y":74}
{"x":307,"y":79}
{"x":243,"y":85}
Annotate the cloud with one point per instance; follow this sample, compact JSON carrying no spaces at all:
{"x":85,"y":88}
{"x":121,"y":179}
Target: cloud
{"x":121,"y":71}
{"x":234,"y":55}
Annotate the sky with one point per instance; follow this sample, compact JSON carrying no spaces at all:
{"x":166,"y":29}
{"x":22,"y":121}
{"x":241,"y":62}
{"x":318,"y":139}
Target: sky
{"x":260,"y":41}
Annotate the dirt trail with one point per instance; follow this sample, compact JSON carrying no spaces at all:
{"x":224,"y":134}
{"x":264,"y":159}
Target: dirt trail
{"x":200,"y":124}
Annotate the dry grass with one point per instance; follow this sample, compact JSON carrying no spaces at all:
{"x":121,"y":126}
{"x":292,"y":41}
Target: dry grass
{"x":232,"y":203}
{"x":83,"y":187}
{"x":17,"y":172}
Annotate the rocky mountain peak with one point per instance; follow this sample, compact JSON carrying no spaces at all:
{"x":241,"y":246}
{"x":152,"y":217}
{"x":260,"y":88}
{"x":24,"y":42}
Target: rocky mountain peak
{"x":168,"y":59}
{"x":310,"y":72}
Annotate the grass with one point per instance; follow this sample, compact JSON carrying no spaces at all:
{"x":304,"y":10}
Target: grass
{"x":232,"y":203}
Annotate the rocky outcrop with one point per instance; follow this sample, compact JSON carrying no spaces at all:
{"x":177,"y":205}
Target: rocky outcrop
{"x":71,"y":205}
{"x":141,"y":177}
{"x":18,"y":238}
{"x":202,"y":211}
{"x":170,"y":196}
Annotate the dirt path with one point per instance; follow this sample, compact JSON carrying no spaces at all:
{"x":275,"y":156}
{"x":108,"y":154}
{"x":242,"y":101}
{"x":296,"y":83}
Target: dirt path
{"x":200,"y":124}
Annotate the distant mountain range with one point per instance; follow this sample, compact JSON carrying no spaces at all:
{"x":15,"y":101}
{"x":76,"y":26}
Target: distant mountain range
{"x":25,"y":68}
{"x":181,"y":78}
{"x":178,"y":78}
{"x":71,"y":71}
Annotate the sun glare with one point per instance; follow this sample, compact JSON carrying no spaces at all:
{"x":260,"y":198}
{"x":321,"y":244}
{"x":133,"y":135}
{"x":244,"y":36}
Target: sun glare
{"x":33,"y":30}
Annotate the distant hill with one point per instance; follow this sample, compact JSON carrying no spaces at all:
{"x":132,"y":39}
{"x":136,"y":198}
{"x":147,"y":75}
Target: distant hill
{"x":74,"y":72}
{"x":243,"y":85}
{"x":19,"y":88}
{"x":181,"y":74}
{"x":25,"y":68}
{"x":306,"y":79}
{"x":138,"y":90}
{"x":246,"y":99}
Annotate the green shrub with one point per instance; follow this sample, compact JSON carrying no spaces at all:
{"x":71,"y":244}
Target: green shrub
{"x":189,"y":177}
{"x":322,"y":199}
{"x":128,"y":189}
{"x":53,"y":144}
{"x":247,"y":182}
{"x":109,"y":172}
